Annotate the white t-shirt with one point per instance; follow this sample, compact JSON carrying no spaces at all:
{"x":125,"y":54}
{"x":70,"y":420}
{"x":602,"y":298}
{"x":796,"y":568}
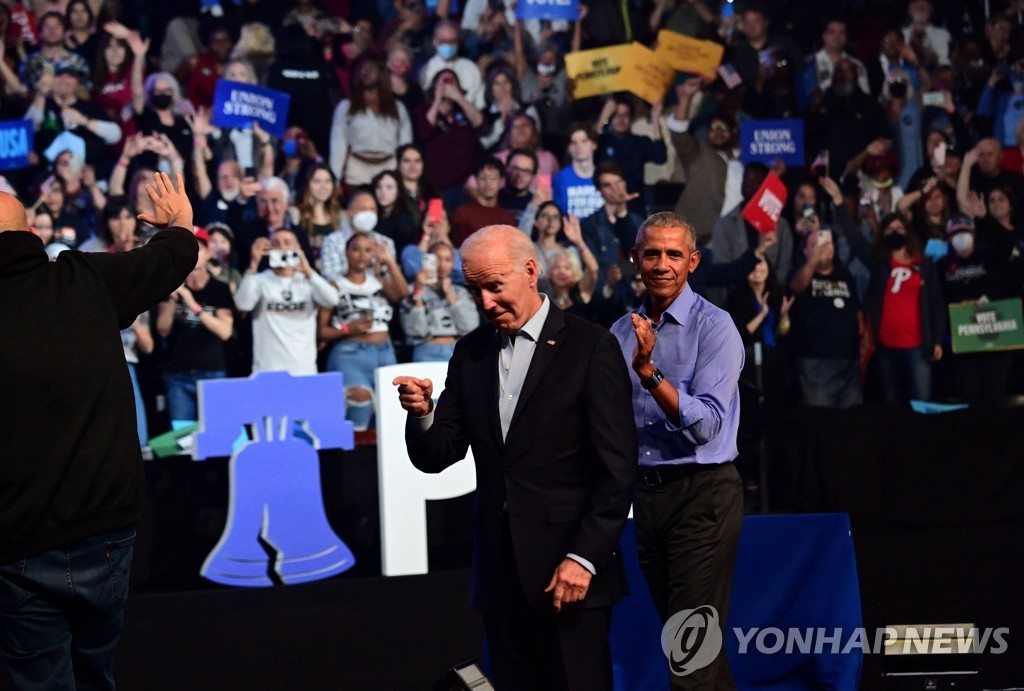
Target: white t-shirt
{"x":284,"y":318}
{"x":354,"y":298}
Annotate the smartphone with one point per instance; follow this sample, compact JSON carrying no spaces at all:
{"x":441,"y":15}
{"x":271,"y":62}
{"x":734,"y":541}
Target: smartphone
{"x":727,"y":9}
{"x":543,"y":181}
{"x":809,"y":211}
{"x":281,"y":259}
{"x":430,"y":267}
{"x":939,"y":155}
{"x":933,"y":98}
{"x":435,"y":210}
{"x":824,"y":237}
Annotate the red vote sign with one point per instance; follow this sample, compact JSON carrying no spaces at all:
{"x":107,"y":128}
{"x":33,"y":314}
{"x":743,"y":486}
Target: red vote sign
{"x":764,"y":209}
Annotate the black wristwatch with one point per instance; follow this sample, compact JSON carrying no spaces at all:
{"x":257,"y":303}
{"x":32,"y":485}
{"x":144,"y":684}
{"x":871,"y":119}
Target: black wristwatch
{"x":656,"y":378}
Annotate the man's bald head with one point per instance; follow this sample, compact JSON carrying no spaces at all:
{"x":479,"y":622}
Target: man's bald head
{"x":516,"y":244}
{"x":12,"y":213}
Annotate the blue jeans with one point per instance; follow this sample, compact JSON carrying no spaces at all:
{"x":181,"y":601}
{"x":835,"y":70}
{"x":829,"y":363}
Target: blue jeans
{"x":358,"y":362}
{"x":140,"y":407}
{"x":182,"y":392}
{"x":61,"y":613}
{"x":905,"y":374}
{"x":433,"y":352}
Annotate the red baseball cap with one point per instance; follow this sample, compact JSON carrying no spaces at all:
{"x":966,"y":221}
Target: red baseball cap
{"x":201,"y":234}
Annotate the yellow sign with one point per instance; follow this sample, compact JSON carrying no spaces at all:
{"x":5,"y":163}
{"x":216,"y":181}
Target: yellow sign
{"x":646,"y":74}
{"x":689,"y":54}
{"x":627,"y":67}
{"x":597,"y":71}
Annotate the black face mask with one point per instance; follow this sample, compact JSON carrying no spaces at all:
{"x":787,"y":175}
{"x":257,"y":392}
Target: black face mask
{"x":161,"y":101}
{"x":894,"y":241}
{"x":898,"y":89}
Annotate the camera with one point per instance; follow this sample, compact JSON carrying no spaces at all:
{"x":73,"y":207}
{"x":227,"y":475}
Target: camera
{"x":281,"y":259}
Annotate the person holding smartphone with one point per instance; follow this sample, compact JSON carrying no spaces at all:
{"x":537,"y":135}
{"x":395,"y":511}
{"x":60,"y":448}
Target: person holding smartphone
{"x":438,"y":312}
{"x":283,"y":301}
{"x":826,"y":326}
{"x":357,"y":325}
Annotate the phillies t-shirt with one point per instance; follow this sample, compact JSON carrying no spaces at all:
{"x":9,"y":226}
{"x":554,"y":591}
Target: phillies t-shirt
{"x":901,"y":307}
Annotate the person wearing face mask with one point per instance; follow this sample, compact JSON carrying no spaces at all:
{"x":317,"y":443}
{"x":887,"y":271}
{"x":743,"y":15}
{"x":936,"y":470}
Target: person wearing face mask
{"x":446,"y":43}
{"x":360,"y":217}
{"x":157,"y":112}
{"x":969,"y":273}
{"x":299,"y":156}
{"x":1002,"y":101}
{"x":544,"y":87}
{"x":905,"y":307}
{"x":217,"y":199}
{"x":222,"y":255}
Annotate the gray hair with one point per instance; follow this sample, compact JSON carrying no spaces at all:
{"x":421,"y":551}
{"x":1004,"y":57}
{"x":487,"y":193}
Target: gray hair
{"x":151,"y":84}
{"x":275,"y":184}
{"x":666,"y":219}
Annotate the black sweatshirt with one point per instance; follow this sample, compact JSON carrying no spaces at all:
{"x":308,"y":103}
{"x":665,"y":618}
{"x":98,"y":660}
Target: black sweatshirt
{"x":70,"y":465}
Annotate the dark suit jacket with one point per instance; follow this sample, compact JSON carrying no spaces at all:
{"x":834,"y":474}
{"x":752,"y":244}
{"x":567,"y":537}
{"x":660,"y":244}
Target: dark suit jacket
{"x":567,"y":468}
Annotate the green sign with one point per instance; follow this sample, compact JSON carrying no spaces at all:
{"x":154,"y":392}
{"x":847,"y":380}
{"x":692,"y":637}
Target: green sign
{"x":977,"y":327}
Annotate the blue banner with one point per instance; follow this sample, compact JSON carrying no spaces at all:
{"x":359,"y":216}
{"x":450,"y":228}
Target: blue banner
{"x":237,"y":105}
{"x":15,"y":143}
{"x":769,"y":140}
{"x":548,"y":9}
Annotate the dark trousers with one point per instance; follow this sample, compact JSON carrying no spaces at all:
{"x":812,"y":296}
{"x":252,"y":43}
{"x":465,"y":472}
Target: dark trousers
{"x":61,"y":613}
{"x":687,"y":535}
{"x":548,"y":650}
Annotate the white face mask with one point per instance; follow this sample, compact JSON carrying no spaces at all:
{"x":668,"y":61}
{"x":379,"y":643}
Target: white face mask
{"x":963,"y":243}
{"x":546,"y":70}
{"x":229,"y":195}
{"x":365,"y":221}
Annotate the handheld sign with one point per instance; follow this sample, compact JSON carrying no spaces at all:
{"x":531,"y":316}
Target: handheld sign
{"x":646,"y":74}
{"x":15,"y":143}
{"x":768,"y":140}
{"x":237,"y":105}
{"x":983,"y":327}
{"x":689,"y":54}
{"x":765,"y":207}
{"x":597,"y":71}
{"x":568,"y":10}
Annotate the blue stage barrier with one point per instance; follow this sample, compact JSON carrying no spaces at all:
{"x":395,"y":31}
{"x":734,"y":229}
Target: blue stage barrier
{"x":794,"y":571}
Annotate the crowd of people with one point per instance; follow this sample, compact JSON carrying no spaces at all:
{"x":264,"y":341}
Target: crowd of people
{"x":335,"y":247}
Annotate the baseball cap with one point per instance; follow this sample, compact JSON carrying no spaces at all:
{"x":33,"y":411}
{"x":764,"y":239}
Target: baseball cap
{"x":201,"y":234}
{"x":961,"y":223}
{"x":70,"y":67}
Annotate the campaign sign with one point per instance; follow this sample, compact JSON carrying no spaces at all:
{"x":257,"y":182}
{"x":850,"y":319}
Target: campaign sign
{"x":982,"y":327}
{"x":568,"y":10}
{"x":764,"y":209}
{"x":15,"y":143}
{"x":770,"y":140}
{"x":237,"y":105}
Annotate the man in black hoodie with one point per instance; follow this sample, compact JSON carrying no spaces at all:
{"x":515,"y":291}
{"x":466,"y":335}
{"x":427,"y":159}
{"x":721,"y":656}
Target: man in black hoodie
{"x":71,"y":481}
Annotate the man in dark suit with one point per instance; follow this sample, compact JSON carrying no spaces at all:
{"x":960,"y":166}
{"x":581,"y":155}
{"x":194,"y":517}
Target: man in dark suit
{"x":543,"y":400}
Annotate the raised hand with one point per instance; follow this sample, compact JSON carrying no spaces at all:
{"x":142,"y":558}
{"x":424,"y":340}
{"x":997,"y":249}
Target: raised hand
{"x":170,"y":203}
{"x":572,"y":230}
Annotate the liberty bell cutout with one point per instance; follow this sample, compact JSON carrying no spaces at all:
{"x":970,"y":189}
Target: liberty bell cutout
{"x":277,"y":530}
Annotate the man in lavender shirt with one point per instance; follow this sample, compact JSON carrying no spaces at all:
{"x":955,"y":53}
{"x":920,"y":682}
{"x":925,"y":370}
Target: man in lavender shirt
{"x":686,"y":355}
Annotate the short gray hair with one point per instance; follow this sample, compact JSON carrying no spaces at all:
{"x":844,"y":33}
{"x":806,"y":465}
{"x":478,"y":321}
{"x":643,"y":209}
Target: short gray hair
{"x":666,"y":219}
{"x":518,"y":244}
{"x":275,"y":184}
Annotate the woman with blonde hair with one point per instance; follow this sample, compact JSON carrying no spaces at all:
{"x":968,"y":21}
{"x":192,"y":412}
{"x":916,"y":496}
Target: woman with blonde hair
{"x":257,"y":46}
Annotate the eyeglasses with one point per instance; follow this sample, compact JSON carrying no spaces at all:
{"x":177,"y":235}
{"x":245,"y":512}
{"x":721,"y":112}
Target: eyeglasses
{"x":719,"y":127}
{"x":521,"y":171}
